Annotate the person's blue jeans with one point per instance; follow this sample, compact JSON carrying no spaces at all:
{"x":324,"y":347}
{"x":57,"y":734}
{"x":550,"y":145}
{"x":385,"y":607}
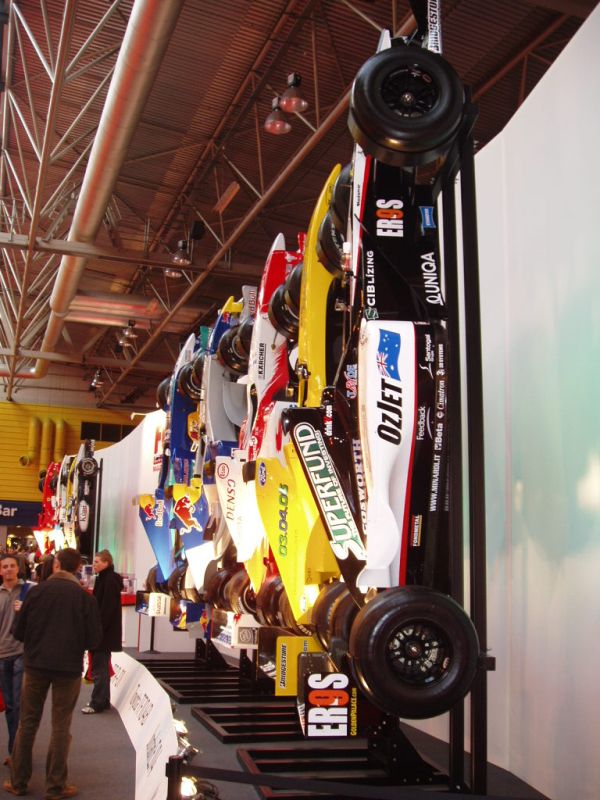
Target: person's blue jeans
{"x":11,"y":679}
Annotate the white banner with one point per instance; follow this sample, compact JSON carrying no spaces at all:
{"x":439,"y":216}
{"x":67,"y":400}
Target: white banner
{"x":145,"y":709}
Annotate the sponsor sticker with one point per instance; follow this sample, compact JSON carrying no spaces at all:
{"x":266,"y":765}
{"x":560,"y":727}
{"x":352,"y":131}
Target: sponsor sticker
{"x":351,"y":376}
{"x":345,"y":538}
{"x":262,"y":473}
{"x":427,"y":218}
{"x":388,"y":354}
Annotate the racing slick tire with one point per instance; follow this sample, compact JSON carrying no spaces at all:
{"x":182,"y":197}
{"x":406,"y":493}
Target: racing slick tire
{"x":267,"y":601}
{"x":186,"y":382}
{"x":152,"y":582}
{"x":176,"y":582}
{"x":292,"y":288}
{"x":191,"y":595}
{"x":323,"y":609}
{"x":198,"y":368}
{"x":249,"y":471}
{"x":414,"y":651}
{"x":239,"y":593}
{"x":229,"y":356}
{"x":282,"y":317}
{"x":242,"y":341}
{"x":214,"y":589}
{"x":340,"y":200}
{"x":330,"y":244}
{"x":87,"y":467}
{"x":342,"y":617}
{"x":162,"y":393}
{"x":406,"y":106}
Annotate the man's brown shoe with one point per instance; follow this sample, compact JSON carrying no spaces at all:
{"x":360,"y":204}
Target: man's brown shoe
{"x":67,"y":791}
{"x":8,"y":787}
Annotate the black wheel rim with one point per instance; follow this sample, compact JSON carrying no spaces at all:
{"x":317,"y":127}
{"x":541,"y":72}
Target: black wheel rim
{"x":419,"y":653}
{"x":409,"y":92}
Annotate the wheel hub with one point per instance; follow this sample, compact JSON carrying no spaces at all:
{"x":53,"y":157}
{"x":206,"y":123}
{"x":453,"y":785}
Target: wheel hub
{"x":419,"y":653}
{"x":409,"y":92}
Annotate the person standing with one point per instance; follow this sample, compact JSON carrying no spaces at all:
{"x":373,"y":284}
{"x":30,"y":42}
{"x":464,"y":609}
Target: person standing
{"x":107,"y":591}
{"x":12,"y":592}
{"x":58,"y":621}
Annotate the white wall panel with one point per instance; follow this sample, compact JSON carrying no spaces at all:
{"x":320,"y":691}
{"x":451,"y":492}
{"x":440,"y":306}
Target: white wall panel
{"x":127,"y":472}
{"x":538,"y":187}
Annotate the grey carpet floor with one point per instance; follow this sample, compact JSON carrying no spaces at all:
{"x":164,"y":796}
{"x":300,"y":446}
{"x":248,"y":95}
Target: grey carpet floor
{"x":101,"y":761}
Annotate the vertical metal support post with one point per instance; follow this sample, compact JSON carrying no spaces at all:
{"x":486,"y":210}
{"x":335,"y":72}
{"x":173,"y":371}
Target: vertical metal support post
{"x":152,"y":624}
{"x":96,"y":542}
{"x":174,"y":770}
{"x":455,"y":483}
{"x":474,"y":377}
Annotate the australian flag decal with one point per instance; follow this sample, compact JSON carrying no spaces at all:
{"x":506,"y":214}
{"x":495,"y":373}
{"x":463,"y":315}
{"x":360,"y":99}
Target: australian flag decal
{"x":388,"y":354}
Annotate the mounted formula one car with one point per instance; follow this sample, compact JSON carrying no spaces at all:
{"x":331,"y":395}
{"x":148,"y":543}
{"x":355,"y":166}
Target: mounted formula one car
{"x":182,"y":518}
{"x":372,"y":438}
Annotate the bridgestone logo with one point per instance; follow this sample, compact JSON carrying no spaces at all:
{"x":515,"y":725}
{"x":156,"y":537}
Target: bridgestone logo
{"x":335,"y":511}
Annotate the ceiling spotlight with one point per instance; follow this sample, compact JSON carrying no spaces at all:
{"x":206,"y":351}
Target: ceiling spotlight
{"x":181,"y":256}
{"x":97,"y":381}
{"x":124,"y":341}
{"x":170,"y":272}
{"x":276,"y":123}
{"x":291,"y":100}
{"x":129,"y":330}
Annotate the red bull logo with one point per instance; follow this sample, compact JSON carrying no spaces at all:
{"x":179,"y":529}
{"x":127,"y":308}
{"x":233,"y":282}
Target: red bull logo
{"x":204,"y":620}
{"x":148,"y":510}
{"x":183,"y":510}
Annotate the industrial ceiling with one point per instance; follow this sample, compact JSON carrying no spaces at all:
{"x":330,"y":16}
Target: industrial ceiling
{"x":128,"y":126}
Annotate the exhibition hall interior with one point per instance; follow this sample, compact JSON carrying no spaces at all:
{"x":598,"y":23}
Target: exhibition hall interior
{"x":298,"y":325}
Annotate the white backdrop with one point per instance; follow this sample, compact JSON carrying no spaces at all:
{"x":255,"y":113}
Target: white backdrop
{"x":538,"y":186}
{"x":127,"y":472}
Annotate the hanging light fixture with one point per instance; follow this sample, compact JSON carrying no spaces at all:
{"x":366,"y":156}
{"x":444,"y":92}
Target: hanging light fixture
{"x":129,"y":330}
{"x":97,"y":381}
{"x":276,"y":123}
{"x":292,"y":101}
{"x":181,"y":256}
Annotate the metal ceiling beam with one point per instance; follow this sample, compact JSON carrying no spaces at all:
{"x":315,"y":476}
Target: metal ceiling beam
{"x":18,"y":241}
{"x":491,"y":82}
{"x":89,"y":361}
{"x":44,"y":158}
{"x":278,"y":184}
{"x":146,"y":38}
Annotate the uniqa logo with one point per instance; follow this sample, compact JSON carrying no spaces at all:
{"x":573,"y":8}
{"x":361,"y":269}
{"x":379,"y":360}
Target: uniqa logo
{"x":330,"y":497}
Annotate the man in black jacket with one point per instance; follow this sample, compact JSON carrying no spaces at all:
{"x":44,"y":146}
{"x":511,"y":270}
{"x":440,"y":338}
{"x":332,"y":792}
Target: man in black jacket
{"x":57,"y":623}
{"x":107,"y":591}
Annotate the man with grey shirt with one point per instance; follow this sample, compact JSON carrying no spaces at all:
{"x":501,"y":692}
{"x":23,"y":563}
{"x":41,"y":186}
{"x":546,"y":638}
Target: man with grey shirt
{"x":12,"y":591}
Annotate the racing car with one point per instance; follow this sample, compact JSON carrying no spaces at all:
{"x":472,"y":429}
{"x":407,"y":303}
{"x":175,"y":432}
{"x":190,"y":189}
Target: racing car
{"x":370,"y":429}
